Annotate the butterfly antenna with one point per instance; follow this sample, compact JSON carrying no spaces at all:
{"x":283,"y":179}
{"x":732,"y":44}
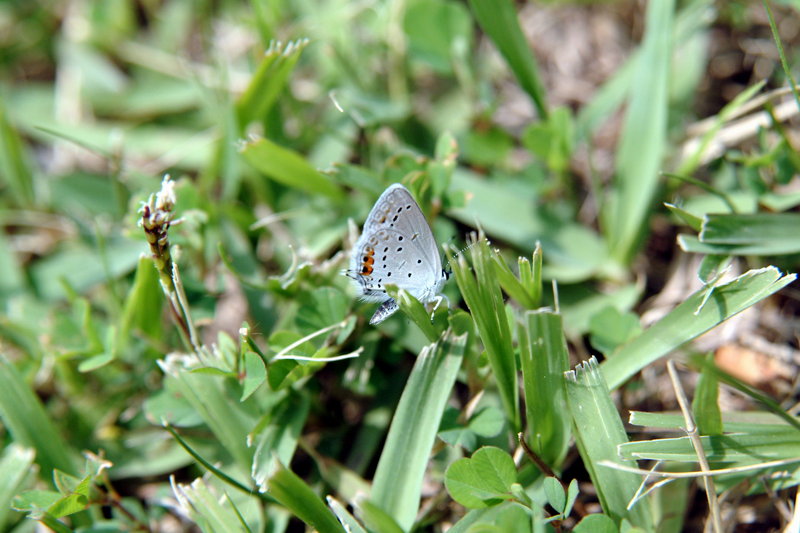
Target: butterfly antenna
{"x":458,"y":253}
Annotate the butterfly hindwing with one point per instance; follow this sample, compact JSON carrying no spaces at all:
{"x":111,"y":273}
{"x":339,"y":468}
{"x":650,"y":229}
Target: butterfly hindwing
{"x":397,"y":247}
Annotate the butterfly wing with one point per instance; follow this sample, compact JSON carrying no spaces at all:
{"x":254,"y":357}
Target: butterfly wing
{"x":396,"y":246}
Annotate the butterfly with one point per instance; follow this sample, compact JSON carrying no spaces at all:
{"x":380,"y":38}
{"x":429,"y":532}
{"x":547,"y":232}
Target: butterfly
{"x":396,"y":246}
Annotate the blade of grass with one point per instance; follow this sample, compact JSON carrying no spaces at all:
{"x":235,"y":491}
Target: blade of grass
{"x":641,"y":147}
{"x":705,"y":405}
{"x":763,"y":399}
{"x":15,"y":169}
{"x":481,"y":292}
{"x":688,"y":321}
{"x":732,"y":450}
{"x":211,"y":468}
{"x":416,"y":312}
{"x":25,"y":418}
{"x":693,"y":160}
{"x":498,"y":19}
{"x":287,"y":167}
{"x":15,"y":466}
{"x":693,"y":17}
{"x":269,"y":80}
{"x":229,"y":420}
{"x":348,"y":521}
{"x":398,"y":479}
{"x":773,"y":231}
{"x":298,"y":497}
{"x":207,"y":509}
{"x":598,"y":432}
{"x":779,"y":45}
{"x":523,"y":289}
{"x":544,"y":359}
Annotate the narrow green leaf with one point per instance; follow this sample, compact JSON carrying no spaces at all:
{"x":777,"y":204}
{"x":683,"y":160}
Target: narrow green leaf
{"x":762,"y":234}
{"x":269,"y":80}
{"x":730,"y":450}
{"x":694,"y":222}
{"x":598,"y":432}
{"x":345,"y":518}
{"x":206,"y":508}
{"x":498,"y":19}
{"x":481,"y":291}
{"x":229,"y":420}
{"x":544,"y":359}
{"x":572,"y":495}
{"x":416,"y":312}
{"x":705,"y":405}
{"x":776,"y":36}
{"x":693,"y":160}
{"x":297,"y":496}
{"x":513,"y":286}
{"x":770,"y":404}
{"x":25,"y":418}
{"x":398,"y":479}
{"x":376,"y":519}
{"x":278,"y":441}
{"x":208,"y":466}
{"x":641,"y":146}
{"x":688,"y":321}
{"x":15,"y":169}
{"x":15,"y":467}
{"x":288,"y":167}
{"x":255,"y":373}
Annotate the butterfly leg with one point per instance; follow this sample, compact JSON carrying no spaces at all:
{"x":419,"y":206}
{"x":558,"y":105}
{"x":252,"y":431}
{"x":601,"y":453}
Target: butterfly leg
{"x":438,"y":301}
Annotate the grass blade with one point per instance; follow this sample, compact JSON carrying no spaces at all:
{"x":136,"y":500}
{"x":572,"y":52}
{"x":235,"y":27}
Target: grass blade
{"x":761,"y":234}
{"x":544,"y":359}
{"x":228,"y":419}
{"x":398,"y":478}
{"x":269,"y":80}
{"x":641,"y":146}
{"x":298,"y":497}
{"x":15,"y":466}
{"x":499,"y":20}
{"x":482,"y":294}
{"x":688,"y":321}
{"x":207,"y":509}
{"x":598,"y":433}
{"x":14,"y":166}
{"x":287,"y":167}
{"x":25,"y":418}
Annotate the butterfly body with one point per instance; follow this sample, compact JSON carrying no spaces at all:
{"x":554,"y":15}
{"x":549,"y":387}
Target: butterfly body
{"x":396,"y":247}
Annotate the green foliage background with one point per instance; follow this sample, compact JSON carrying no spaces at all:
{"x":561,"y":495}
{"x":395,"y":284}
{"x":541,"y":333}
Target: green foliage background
{"x":138,"y":395}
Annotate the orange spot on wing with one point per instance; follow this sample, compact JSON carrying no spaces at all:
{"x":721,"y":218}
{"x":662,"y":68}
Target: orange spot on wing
{"x":367,"y":261}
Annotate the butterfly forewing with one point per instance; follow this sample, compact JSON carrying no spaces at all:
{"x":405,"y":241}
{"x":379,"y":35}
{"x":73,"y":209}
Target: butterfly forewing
{"x":397,"y":247}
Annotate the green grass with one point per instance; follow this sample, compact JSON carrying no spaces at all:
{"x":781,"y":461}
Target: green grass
{"x":187,"y":348}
